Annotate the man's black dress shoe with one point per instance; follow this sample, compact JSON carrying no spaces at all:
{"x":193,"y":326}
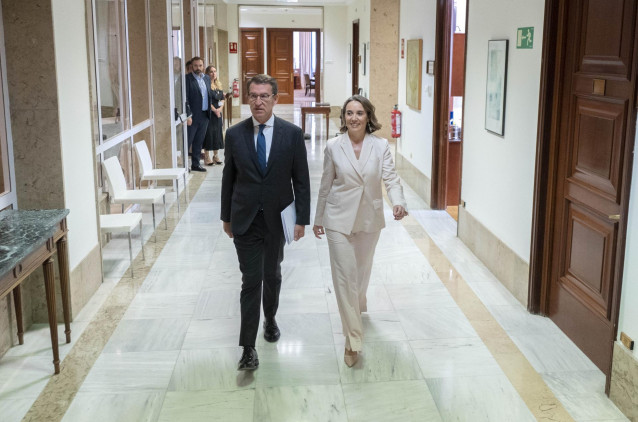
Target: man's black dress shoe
{"x":198,"y":168}
{"x":271,"y":331}
{"x":249,"y":360}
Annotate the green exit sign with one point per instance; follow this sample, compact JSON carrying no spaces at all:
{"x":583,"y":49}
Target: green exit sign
{"x":525,"y":37}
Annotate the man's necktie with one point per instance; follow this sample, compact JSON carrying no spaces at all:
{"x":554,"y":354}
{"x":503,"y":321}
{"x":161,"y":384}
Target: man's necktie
{"x":261,"y":148}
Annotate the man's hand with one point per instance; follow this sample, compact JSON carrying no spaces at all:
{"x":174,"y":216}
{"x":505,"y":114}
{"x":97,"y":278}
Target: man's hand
{"x":399,"y":212}
{"x":318,"y":230}
{"x":299,"y":231}
{"x":189,"y":121}
{"x":229,"y":232}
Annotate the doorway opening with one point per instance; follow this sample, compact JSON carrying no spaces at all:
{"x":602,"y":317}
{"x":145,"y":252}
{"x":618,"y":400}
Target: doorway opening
{"x":355,"y":59}
{"x":287,"y":54}
{"x":449,"y":93}
{"x":305,"y":63}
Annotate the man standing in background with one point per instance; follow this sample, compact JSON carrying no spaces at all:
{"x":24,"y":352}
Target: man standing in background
{"x":198,"y":98}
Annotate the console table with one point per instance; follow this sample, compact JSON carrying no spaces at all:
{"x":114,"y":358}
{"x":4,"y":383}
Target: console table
{"x":28,"y":239}
{"x":315,"y":109}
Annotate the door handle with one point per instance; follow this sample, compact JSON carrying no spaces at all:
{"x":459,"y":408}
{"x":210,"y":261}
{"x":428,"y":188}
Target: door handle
{"x":614,"y":217}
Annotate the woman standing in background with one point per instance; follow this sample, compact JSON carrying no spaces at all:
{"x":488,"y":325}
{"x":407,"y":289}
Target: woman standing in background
{"x":214,"y":140}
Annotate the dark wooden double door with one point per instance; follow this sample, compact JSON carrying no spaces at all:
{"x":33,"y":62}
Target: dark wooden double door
{"x":280,"y":60}
{"x":593,"y":135}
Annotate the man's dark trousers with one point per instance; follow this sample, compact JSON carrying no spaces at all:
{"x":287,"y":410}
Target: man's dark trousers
{"x":260,"y":253}
{"x":196,"y":135}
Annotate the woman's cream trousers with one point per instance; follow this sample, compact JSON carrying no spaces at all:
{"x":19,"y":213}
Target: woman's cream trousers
{"x":351,"y":263}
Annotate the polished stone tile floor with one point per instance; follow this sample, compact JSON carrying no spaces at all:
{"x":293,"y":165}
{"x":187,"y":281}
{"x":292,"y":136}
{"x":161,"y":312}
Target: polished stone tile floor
{"x":173,"y":354}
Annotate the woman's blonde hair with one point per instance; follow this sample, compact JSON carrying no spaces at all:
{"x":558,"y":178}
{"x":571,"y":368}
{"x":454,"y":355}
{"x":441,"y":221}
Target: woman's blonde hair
{"x":372,"y":125}
{"x":216,"y":83}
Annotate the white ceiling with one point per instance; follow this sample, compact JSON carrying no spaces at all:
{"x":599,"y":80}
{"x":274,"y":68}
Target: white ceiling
{"x":290,"y":2}
{"x":280,"y":10}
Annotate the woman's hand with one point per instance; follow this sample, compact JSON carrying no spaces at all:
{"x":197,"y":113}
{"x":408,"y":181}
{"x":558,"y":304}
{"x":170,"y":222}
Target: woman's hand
{"x":318,"y":230}
{"x":399,"y":212}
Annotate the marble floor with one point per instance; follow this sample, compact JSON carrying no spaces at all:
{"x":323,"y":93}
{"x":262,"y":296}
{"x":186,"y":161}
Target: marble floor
{"x":444,"y":340}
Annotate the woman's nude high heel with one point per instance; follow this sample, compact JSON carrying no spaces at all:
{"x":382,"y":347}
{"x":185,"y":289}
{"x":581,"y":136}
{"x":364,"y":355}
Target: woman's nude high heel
{"x":350,"y":358}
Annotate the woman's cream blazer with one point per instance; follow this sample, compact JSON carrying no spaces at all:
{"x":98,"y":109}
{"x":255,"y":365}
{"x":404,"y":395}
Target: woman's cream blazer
{"x":350,"y":196}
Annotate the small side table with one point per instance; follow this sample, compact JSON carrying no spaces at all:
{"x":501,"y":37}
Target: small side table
{"x":29,"y":239}
{"x":316,"y":109}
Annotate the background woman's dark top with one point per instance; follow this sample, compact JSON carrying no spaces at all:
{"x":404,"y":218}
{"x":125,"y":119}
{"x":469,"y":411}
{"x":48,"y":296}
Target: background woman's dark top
{"x":214,"y":139}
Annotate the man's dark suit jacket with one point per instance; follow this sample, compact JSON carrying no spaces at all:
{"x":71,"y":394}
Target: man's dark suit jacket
{"x":245,"y":190}
{"x":194,"y":95}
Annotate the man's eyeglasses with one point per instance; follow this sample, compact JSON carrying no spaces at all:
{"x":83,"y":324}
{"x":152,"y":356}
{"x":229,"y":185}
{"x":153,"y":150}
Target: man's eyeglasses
{"x":262,"y":97}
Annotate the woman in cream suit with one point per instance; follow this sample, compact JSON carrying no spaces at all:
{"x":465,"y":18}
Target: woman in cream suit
{"x":350,"y":210}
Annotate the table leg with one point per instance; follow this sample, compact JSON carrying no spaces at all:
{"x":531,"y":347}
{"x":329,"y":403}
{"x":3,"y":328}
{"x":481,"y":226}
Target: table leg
{"x":49,"y":287}
{"x":63,"y":266}
{"x":303,"y":122}
{"x":17,"y":302}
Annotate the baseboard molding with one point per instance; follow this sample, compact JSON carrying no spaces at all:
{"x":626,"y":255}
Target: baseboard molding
{"x":624,"y":382}
{"x":419,"y":182}
{"x":8,"y":329}
{"x":511,"y":270}
{"x":85,"y":279}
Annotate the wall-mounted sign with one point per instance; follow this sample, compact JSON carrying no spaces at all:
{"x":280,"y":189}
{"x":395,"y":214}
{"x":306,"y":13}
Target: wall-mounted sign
{"x":232,"y":47}
{"x":525,"y":37}
{"x":430,"y":67}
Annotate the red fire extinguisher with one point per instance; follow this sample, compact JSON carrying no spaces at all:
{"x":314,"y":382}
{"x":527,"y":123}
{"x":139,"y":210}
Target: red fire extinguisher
{"x":396,"y":121}
{"x":236,"y":88}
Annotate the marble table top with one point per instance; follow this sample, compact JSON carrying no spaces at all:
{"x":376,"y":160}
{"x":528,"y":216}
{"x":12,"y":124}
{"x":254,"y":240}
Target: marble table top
{"x":22,"y":231}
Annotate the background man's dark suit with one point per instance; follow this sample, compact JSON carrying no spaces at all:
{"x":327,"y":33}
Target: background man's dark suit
{"x":197,"y":130}
{"x":258,"y":235}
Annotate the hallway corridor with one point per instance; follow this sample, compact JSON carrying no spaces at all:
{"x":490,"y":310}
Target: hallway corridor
{"x":444,"y":340}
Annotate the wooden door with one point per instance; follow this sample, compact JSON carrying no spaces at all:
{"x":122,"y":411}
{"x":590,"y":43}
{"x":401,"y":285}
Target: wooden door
{"x":355,"y":57}
{"x":280,"y":61}
{"x":252,"y":58}
{"x":594,"y":137}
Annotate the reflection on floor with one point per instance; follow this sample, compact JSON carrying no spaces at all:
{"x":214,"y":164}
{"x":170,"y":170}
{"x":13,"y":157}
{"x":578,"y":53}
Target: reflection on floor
{"x":172,"y":356}
{"x":453,"y":211}
{"x":301,"y":99}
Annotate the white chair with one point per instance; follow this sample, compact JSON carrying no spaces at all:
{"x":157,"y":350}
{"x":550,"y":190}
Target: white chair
{"x":149,"y":173}
{"x":123,"y":223}
{"x":119,"y":194}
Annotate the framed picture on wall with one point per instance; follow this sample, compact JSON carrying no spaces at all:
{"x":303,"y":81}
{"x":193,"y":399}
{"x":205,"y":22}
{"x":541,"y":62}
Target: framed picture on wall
{"x":496,"y":83}
{"x":414,"y":67}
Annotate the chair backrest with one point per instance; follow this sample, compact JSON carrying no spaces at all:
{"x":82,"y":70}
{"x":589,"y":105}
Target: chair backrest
{"x":306,"y":78}
{"x":144,"y":157}
{"x":115,"y":176}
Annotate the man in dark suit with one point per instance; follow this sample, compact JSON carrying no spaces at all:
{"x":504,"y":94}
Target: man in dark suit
{"x":266,"y":168}
{"x":198,"y":98}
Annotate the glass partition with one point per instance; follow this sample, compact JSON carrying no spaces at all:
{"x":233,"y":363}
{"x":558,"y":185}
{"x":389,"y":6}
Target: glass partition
{"x":111,"y":54}
{"x":178,"y":55}
{"x":180,"y":142}
{"x":8,"y":198}
{"x":178,"y":74}
{"x":139,"y":61}
{"x":5,"y":181}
